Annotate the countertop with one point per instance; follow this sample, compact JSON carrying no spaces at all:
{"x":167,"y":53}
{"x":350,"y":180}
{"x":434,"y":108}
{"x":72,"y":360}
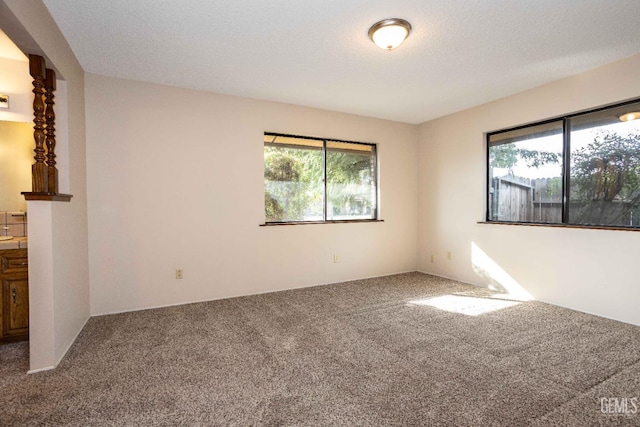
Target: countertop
{"x":15,"y":243}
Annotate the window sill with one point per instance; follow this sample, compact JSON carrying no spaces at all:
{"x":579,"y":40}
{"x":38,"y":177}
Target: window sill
{"x":539,"y":224}
{"x":50,"y":197}
{"x":343,"y":221}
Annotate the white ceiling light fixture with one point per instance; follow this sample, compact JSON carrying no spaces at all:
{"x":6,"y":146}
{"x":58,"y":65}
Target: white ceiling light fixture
{"x":635,"y":115}
{"x":388,"y":34}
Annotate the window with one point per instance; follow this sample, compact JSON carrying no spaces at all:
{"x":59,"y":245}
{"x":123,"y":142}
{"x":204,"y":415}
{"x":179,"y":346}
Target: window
{"x":317,"y":180}
{"x":582,"y":169}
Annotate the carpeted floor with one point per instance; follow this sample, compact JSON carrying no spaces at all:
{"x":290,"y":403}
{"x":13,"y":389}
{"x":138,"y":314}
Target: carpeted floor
{"x":396,"y":350}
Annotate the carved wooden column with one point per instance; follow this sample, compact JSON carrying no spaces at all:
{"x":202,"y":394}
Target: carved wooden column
{"x":50,"y":115}
{"x":44,"y":176}
{"x":39,"y":172}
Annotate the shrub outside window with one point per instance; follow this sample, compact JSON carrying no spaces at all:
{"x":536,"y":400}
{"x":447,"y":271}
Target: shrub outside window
{"x":582,"y":169}
{"x":318,"y":180}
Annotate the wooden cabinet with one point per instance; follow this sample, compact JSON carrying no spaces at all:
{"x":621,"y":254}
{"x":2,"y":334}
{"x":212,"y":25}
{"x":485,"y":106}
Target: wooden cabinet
{"x":14,"y":301}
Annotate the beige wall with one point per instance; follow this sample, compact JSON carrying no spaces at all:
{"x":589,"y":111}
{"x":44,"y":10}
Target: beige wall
{"x":589,"y":270}
{"x":176,"y":181}
{"x":16,"y":156}
{"x":16,"y":134}
{"x":58,"y":250}
{"x":15,"y":81}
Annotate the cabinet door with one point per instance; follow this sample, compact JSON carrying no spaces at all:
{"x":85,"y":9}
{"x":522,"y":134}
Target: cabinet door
{"x":16,"y":306}
{"x":14,"y":261}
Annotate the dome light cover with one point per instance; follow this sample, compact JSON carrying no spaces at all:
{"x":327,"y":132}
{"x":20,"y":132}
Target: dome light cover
{"x":389,"y":33}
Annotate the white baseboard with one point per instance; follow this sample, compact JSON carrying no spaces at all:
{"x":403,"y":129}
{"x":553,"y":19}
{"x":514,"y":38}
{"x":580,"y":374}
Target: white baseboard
{"x":33,"y":371}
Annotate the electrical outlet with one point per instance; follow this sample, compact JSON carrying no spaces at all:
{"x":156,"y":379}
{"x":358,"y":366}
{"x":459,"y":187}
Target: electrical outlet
{"x":178,"y":273}
{"x":336,"y":259}
{"x":433,"y":259}
{"x":449,"y":255}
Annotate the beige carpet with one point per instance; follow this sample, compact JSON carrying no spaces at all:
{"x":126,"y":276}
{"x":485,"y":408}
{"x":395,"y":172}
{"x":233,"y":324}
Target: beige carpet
{"x":409,"y":349}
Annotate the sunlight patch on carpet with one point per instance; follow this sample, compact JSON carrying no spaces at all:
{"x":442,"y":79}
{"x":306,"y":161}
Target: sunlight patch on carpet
{"x":470,"y":306}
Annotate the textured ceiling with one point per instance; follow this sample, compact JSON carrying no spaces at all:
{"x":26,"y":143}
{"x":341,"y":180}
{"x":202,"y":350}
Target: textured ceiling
{"x":461,"y":53}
